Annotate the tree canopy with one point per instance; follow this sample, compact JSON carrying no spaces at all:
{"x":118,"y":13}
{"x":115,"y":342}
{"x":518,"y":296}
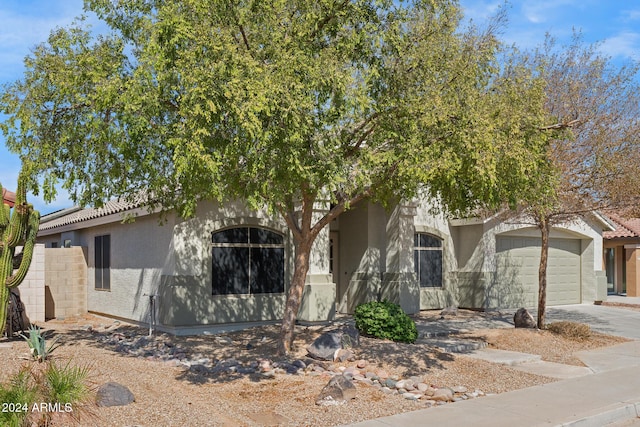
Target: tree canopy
{"x":280,"y":103}
{"x":595,"y":159}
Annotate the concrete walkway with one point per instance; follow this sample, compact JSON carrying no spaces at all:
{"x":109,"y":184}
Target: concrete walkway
{"x":607,"y":391}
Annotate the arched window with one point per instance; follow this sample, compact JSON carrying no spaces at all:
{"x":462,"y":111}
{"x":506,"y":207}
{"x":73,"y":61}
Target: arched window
{"x":247,"y":260}
{"x":427,"y":257}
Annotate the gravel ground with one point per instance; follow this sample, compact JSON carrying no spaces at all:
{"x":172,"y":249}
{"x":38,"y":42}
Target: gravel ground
{"x":170,"y":395}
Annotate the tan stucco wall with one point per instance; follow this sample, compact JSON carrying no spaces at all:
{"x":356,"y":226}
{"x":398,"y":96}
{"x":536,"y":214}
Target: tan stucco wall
{"x":65,"y":282}
{"x":32,"y":288}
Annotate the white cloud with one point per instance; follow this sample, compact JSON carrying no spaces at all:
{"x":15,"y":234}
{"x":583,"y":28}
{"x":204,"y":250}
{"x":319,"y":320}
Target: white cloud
{"x":538,"y":12}
{"x":630,"y":15}
{"x":26,"y":25}
{"x":480,"y":10}
{"x":626,"y":44}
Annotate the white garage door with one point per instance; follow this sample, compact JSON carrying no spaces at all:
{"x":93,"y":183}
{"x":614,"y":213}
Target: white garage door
{"x":518,"y":260}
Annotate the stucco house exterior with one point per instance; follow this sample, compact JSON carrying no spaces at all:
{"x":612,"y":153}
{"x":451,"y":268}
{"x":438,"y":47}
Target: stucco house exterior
{"x":229,"y":265}
{"x":622,"y":256}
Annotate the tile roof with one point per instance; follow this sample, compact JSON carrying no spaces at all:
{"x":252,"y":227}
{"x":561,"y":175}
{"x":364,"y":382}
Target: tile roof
{"x":77,"y":214}
{"x":8,"y":197}
{"x":624,"y":227}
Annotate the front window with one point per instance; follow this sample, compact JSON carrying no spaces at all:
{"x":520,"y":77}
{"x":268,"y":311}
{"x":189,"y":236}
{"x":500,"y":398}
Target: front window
{"x":102,"y":263}
{"x":247,"y":260}
{"x":427,"y":257}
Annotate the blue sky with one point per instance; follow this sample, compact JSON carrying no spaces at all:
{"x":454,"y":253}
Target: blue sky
{"x":615,"y":23}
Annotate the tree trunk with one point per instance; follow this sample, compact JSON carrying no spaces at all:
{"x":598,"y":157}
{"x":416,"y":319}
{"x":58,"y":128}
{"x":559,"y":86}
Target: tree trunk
{"x":294,"y":297}
{"x":542,"y":271}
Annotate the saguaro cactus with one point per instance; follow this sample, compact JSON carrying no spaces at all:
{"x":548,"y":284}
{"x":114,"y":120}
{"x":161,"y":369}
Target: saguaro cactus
{"x":18,"y":227}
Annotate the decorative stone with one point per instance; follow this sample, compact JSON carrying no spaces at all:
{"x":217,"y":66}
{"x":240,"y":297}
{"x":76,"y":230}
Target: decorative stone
{"x":337,"y":391}
{"x":459,"y":389}
{"x":405,"y":384}
{"x":442,"y":395}
{"x":449,"y":311}
{"x":114,"y":394}
{"x":524,"y":319}
{"x":326,"y":346}
{"x":422,"y":387}
{"x":382,"y":373}
{"x":343,"y":355}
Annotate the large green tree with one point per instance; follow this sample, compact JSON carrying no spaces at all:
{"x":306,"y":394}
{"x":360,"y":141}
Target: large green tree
{"x":595,"y":158}
{"x":282,"y":103}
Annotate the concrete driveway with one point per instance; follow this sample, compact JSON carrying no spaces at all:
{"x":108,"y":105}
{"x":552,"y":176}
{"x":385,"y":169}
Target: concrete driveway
{"x":608,"y":320}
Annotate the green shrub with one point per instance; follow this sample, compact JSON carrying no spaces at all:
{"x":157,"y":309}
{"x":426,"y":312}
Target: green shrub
{"x":67,"y":384}
{"x":20,"y":392}
{"x":65,"y":388}
{"x":386,"y":320}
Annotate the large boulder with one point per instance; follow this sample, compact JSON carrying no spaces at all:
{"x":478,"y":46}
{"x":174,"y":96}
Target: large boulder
{"x":327,"y":345}
{"x":524,"y":319}
{"x":338,"y":390}
{"x":113,"y":394}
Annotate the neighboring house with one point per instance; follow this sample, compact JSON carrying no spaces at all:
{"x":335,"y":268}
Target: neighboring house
{"x":8,"y":197}
{"x":622,"y":256}
{"x":231,"y":265}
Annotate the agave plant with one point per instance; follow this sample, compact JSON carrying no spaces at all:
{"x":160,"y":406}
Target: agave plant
{"x":37,"y":344}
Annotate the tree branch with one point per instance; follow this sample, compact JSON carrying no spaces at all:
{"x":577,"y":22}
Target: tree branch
{"x":244,"y":37}
{"x":567,"y":125}
{"x":327,"y":19}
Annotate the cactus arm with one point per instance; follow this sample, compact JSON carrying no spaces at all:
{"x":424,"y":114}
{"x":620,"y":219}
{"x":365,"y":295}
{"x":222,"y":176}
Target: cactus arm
{"x":18,"y":224}
{"x":27,"y":251}
{"x":17,"y":227}
{"x":6,"y":266}
{"x":4,"y":214}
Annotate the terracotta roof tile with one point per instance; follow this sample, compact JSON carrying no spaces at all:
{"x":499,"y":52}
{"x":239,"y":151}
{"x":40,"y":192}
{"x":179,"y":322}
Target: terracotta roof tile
{"x":624,"y":227}
{"x":76,"y":214}
{"x":8,"y":197}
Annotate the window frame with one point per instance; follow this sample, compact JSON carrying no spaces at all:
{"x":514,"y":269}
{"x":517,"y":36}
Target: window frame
{"x":253,"y":247}
{"x":102,"y":265}
{"x":421,"y":246}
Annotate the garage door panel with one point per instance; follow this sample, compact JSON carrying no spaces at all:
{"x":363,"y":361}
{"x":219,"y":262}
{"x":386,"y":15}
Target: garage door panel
{"x":518,"y":260}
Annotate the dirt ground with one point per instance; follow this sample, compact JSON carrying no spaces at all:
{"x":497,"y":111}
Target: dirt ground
{"x":170,"y":395}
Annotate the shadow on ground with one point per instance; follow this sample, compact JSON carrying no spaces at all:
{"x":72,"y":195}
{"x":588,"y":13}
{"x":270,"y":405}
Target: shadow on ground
{"x":249,"y":354}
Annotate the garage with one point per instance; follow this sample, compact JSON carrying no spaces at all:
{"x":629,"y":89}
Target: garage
{"x":517,"y":264}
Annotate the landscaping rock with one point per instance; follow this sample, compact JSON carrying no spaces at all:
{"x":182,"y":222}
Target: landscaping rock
{"x":449,"y":311}
{"x":524,"y":319}
{"x":442,"y":395}
{"x":114,"y":394}
{"x":327,"y":345}
{"x":338,"y":390}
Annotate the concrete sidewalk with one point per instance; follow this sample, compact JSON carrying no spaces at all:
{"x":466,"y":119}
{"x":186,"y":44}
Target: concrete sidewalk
{"x":607,"y":391}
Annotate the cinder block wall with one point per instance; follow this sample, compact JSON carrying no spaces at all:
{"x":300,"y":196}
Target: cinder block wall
{"x":65,"y":282}
{"x":32,"y":288}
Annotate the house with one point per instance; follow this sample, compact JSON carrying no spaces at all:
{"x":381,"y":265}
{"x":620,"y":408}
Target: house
{"x":229,"y":265}
{"x":622,"y":256}
{"x":8,"y":197}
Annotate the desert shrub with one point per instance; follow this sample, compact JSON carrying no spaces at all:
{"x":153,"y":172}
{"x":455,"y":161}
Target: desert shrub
{"x":386,"y":320}
{"x":64,"y":387}
{"x":38,"y":344}
{"x":66,"y":384}
{"x":19,"y":393}
{"x":572,"y":330}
